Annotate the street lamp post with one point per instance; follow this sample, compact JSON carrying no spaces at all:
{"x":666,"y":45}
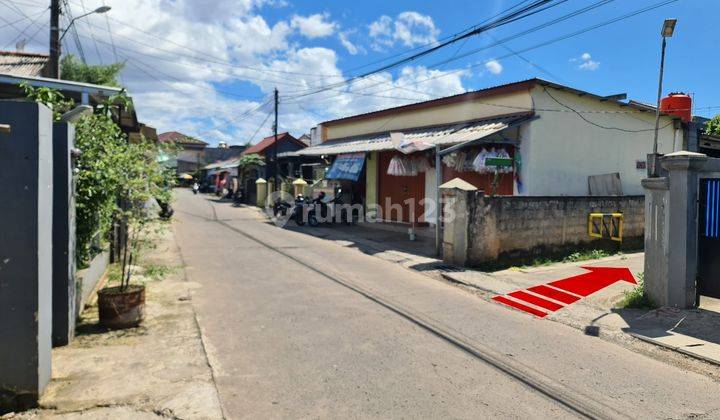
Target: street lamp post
{"x":667,"y":31}
{"x":56,"y":37}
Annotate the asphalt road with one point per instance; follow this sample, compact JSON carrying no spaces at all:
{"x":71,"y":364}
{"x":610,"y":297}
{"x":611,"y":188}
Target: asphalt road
{"x":295,"y":326}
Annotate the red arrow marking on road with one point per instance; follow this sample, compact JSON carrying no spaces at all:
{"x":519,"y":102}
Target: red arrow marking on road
{"x":598,"y":278}
{"x":583,"y":285}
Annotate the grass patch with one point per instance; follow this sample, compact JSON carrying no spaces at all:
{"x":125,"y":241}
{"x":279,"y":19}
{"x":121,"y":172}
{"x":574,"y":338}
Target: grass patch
{"x":636,"y":298}
{"x":158,"y":272}
{"x":578,"y":256}
{"x":592,"y":254}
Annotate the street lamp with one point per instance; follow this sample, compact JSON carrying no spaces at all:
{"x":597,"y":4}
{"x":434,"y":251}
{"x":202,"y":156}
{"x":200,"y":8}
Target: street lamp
{"x":99,"y":10}
{"x":667,"y":31}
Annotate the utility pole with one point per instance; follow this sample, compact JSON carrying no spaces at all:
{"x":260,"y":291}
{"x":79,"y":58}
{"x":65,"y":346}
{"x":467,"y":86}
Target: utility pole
{"x":654,"y":159}
{"x":55,"y":11}
{"x":275,"y":144}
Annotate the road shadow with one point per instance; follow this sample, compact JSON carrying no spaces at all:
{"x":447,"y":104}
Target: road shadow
{"x":702,"y":323}
{"x":369,"y":240}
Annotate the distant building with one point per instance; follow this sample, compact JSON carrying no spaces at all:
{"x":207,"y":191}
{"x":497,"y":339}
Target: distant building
{"x":191,"y":155}
{"x":17,"y":68}
{"x":552,"y":140}
{"x":24,"y":64}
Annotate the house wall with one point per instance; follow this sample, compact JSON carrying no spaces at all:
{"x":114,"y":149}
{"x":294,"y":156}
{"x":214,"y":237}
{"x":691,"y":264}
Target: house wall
{"x":445,"y":114}
{"x":191,"y":155}
{"x":561,"y":150}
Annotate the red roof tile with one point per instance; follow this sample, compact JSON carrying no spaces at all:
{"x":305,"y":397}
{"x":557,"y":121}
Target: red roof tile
{"x":261,"y":146}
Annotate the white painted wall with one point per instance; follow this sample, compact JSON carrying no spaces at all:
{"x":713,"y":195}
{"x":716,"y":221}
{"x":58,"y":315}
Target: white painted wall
{"x":561,"y":150}
{"x":441,"y":114}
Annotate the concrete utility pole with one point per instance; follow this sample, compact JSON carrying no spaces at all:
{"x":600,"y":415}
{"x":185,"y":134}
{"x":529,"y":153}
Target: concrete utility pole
{"x":275,"y":144}
{"x":55,"y":11}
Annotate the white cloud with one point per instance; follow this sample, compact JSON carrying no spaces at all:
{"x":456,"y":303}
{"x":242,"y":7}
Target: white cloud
{"x":494,"y":67}
{"x":586,"y":62}
{"x":409,"y":29}
{"x":314,"y":26}
{"x":412,"y":29}
{"x":381,"y":27}
{"x":351,"y":47}
{"x":208,"y":63}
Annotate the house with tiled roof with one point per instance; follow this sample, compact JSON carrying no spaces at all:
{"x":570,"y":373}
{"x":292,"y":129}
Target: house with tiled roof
{"x":285,"y":143}
{"x":24,"y":64}
{"x":191,"y":155}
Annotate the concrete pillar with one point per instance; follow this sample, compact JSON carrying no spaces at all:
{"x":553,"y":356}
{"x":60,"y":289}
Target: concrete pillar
{"x":299,"y":186}
{"x":657,"y":191}
{"x":455,"y":231}
{"x":26,"y":170}
{"x":262,"y":191}
{"x":63,"y":235}
{"x":371,"y":185}
{"x":671,"y":231}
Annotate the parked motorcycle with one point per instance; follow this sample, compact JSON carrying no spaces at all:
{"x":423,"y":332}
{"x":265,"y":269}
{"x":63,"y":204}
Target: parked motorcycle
{"x":301,"y":211}
{"x":347,"y":215}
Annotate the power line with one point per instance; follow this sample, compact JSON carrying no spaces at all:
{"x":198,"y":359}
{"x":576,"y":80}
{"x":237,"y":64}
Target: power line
{"x":207,"y":57}
{"x":92,"y":33}
{"x":22,"y":32}
{"x":243,"y":77}
{"x":512,"y":37}
{"x":540,"y":45}
{"x":582,"y":117}
{"x":429,"y":44}
{"x":73,"y":28}
{"x":112,"y":41}
{"x":25,"y":17}
{"x":511,"y":17}
{"x":262,"y":124}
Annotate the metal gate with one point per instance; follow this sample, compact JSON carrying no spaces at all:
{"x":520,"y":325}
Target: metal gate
{"x":709,"y":238}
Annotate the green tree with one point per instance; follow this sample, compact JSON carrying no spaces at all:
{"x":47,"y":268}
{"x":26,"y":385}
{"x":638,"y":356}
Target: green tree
{"x":247,"y":162}
{"x":114,"y":178}
{"x":713,"y":126}
{"x":71,"y":68}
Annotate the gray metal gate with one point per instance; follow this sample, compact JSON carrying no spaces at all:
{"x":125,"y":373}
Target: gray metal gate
{"x":709,"y":238}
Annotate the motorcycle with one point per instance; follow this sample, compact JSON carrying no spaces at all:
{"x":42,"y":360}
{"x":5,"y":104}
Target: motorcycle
{"x":300,"y":211}
{"x":347,"y":215}
{"x":332,"y":211}
{"x":195,"y":188}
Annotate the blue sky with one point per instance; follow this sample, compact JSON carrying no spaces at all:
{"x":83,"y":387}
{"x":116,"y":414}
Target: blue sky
{"x":207,"y":68}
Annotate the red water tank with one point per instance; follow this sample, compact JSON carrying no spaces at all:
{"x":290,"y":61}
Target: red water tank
{"x":678,"y":104}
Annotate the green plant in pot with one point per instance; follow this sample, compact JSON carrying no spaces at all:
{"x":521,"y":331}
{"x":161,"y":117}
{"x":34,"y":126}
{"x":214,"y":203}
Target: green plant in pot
{"x":142,"y":181}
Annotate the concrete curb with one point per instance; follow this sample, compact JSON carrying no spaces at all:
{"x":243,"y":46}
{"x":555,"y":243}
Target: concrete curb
{"x":674,"y":348}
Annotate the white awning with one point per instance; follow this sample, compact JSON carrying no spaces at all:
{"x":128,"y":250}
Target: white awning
{"x":444,"y":135}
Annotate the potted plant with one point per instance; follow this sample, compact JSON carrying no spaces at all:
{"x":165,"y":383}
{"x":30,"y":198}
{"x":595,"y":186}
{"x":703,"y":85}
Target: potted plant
{"x":143,"y":179}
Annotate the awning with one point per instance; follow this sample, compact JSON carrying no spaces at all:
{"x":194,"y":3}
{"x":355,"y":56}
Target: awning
{"x":444,"y":135}
{"x":347,"y":166}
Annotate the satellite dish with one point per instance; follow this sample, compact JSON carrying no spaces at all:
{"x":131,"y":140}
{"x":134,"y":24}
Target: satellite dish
{"x":20,"y":45}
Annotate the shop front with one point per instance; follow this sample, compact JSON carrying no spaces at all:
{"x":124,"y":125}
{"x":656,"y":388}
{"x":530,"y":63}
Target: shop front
{"x":400,"y":182}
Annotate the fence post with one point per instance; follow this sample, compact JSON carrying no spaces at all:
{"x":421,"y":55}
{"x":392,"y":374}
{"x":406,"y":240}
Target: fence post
{"x":262,"y":190}
{"x":63,"y":291}
{"x":26,"y":170}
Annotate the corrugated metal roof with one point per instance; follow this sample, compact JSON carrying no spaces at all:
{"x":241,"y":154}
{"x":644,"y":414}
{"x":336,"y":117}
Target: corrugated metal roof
{"x":444,"y":135}
{"x":223,"y":164}
{"x":23,"y":64}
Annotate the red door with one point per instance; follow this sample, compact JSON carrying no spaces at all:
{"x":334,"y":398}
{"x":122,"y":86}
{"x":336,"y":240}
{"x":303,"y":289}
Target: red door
{"x":400,"y":196}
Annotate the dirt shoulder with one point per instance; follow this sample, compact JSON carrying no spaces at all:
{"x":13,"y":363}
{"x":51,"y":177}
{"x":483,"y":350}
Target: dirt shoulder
{"x":159,"y":369}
